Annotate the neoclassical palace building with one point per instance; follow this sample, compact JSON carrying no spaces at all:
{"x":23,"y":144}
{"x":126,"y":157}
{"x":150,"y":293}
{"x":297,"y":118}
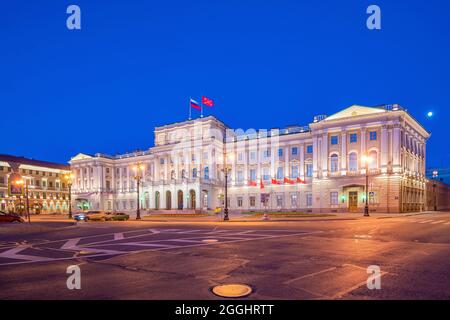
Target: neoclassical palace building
{"x":320,"y":167}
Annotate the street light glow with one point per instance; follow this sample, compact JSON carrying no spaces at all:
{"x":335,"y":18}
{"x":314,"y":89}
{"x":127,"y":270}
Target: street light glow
{"x":430,"y":114}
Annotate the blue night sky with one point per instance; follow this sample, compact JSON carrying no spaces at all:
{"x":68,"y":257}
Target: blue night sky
{"x":134,"y":65}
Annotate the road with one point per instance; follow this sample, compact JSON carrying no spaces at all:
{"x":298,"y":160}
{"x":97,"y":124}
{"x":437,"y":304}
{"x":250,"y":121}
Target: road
{"x":307,"y":259}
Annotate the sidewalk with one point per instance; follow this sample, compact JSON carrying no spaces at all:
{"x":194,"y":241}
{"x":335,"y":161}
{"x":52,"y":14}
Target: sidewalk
{"x":161,"y":217}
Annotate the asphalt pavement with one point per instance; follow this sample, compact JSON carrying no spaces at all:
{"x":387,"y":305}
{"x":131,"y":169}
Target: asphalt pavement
{"x":183,"y":259}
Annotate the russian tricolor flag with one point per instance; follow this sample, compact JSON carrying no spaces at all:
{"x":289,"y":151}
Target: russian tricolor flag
{"x":195,"y":105}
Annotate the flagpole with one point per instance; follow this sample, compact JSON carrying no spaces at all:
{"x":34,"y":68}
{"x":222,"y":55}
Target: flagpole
{"x":201,"y":108}
{"x":190,"y":109}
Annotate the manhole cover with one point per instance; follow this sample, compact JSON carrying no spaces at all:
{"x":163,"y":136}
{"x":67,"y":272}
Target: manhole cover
{"x":234,"y":290}
{"x":210,"y":240}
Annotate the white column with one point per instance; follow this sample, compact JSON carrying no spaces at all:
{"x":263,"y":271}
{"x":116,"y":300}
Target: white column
{"x":396,"y":148}
{"x":384,"y":149}
{"x":344,"y":152}
{"x":325,"y":154}
{"x":315,"y":156}
{"x":302,"y":162}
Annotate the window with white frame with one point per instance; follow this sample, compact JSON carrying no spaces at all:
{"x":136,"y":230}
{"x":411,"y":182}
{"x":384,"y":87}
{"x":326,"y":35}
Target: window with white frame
{"x":294,"y":171}
{"x":294,"y":200}
{"x":240,"y":156}
{"x":252,"y":201}
{"x":280,"y":173}
{"x":240,"y":176}
{"x":373,"y":156}
{"x":279,"y":200}
{"x":309,"y":200}
{"x":266,"y":175}
{"x":252,"y":155}
{"x":353,"y":161}
{"x":240,"y":202}
{"x":253,"y":174}
{"x":309,"y":170}
{"x":334,"y":163}
{"x":334,"y":198}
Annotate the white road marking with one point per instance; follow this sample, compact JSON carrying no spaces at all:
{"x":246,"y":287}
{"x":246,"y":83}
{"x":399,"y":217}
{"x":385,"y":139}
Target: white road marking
{"x":118,"y":236}
{"x":426,"y":221}
{"x":439,"y":221}
{"x":70,"y":244}
{"x":152,"y":245}
{"x":13,"y":254}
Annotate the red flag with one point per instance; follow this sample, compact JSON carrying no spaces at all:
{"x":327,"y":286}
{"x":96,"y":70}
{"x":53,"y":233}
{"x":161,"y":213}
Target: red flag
{"x":287,"y":180}
{"x":300,"y":180}
{"x":207,"y":101}
{"x":274,"y":181}
{"x":252,"y":183}
{"x":261,"y":184}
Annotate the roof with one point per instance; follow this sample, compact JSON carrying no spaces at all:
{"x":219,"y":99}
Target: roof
{"x":33,"y":162}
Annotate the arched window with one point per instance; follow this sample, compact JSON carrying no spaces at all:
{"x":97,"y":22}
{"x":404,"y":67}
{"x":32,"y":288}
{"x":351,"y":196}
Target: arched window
{"x":353,"y":161}
{"x":373,"y":156}
{"x":206,"y":173}
{"x":334,"y":163}
{"x":194,"y":173}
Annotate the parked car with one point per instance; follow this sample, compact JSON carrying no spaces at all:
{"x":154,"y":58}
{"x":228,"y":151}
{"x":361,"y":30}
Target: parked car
{"x":90,"y":215}
{"x":117,"y":216}
{"x":10,"y":217}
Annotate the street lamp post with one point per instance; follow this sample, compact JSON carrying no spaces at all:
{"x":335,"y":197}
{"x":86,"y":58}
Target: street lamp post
{"x":226,"y":171}
{"x":138,"y":177}
{"x":23,"y":182}
{"x":68,"y":178}
{"x":366,"y":160}
{"x":225,"y":212}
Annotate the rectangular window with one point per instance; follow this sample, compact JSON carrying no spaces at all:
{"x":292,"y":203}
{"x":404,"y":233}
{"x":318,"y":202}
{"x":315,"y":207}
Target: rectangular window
{"x":252,"y":174}
{"x":267,"y":153}
{"x":294,"y":200}
{"x":252,"y":155}
{"x":294,"y":172}
{"x":309,"y":149}
{"x":353,"y":138}
{"x":280,"y":152}
{"x":252,"y":201}
{"x":334,"y":199}
{"x":205,"y":156}
{"x":309,"y":170}
{"x":373,"y":197}
{"x":279,"y":201}
{"x":266,"y":174}
{"x":161,"y":161}
{"x":294,"y":151}
{"x":124,"y":205}
{"x":239,"y":202}
{"x":240,"y":156}
{"x":240,"y":176}
{"x":334,"y":140}
{"x":309,"y":200}
{"x":280,"y":173}
{"x":373,"y":135}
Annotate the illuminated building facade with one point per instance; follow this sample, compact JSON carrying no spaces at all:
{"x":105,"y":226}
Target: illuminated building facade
{"x":313,"y":168}
{"x":47,"y":189}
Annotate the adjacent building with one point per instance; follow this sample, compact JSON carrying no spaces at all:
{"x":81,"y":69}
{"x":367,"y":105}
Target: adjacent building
{"x":47,"y":188}
{"x":320,"y":167}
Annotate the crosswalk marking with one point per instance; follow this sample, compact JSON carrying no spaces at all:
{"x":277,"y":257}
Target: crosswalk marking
{"x":118,"y":236}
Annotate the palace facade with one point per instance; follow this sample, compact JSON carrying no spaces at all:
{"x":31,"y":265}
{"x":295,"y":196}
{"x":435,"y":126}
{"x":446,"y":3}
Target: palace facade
{"x":48,"y":191}
{"x":315,"y":168}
